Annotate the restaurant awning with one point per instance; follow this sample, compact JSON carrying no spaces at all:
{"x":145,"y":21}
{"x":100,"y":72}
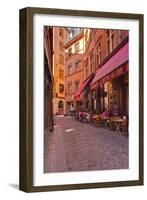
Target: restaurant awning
{"x":116,"y":61}
{"x":84,"y":84}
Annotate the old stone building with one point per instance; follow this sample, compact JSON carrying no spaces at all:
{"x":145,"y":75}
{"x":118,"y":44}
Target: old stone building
{"x":48,"y":78}
{"x":60,"y":35}
{"x":90,"y":70}
{"x":74,"y":48}
{"x":88,"y":52}
{"x":108,"y":59}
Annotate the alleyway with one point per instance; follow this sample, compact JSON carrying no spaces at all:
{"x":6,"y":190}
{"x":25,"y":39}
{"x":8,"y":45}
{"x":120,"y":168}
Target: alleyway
{"x":76,"y":146}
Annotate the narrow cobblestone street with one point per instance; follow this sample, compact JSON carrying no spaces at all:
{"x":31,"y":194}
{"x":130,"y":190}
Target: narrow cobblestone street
{"x":76,"y":146}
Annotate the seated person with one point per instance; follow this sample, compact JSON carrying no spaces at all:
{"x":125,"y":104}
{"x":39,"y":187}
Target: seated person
{"x":105,"y":114}
{"x":87,"y":117}
{"x":105,"y":118}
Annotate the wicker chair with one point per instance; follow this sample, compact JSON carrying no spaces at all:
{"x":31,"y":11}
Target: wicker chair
{"x":111,"y":123}
{"x":124,"y":127}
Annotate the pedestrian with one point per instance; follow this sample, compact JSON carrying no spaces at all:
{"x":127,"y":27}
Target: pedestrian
{"x":71,"y":109}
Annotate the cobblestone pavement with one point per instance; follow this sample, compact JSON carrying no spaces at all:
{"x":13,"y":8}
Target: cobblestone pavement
{"x":76,"y":146}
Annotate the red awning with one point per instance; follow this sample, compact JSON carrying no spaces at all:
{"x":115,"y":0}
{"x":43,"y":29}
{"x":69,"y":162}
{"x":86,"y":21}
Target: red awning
{"x":120,"y":57}
{"x":83,"y":86}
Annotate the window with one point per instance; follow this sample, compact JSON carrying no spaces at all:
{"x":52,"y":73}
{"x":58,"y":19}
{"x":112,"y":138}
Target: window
{"x":77,"y":83}
{"x":77,"y":66}
{"x":61,"y":46}
{"x":110,"y":41}
{"x":98,"y":54}
{"x":70,"y":88}
{"x":69,"y":69}
{"x":86,"y":68}
{"x":91,"y":63}
{"x":61,"y":88}
{"x":69,"y":51}
{"x":61,"y":32}
{"x":61,"y":59}
{"x":61,"y":74}
{"x":77,"y":47}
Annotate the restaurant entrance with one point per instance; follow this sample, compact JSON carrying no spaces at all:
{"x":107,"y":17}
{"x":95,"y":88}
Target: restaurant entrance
{"x":116,"y":96}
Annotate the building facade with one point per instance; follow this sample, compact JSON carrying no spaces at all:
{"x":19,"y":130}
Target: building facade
{"x":105,"y":85}
{"x":74,"y":62}
{"x":107,"y":56}
{"x":60,"y":35}
{"x":48,"y":78}
{"x":90,"y":70}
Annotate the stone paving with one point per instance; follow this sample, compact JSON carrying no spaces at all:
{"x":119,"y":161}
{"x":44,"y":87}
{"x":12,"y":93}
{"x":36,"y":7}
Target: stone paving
{"x":76,"y":146}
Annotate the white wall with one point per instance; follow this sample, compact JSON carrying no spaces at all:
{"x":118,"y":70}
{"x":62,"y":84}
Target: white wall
{"x":9,"y":85}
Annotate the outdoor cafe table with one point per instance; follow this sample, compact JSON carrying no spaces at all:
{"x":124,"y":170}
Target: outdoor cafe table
{"x":118,"y":123}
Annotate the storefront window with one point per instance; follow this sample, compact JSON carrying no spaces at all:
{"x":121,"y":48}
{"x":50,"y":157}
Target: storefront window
{"x":115,"y":96}
{"x":108,"y":96}
{"x":106,"y":100}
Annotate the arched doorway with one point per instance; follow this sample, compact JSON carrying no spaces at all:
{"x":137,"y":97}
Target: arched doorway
{"x":61,"y":107}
